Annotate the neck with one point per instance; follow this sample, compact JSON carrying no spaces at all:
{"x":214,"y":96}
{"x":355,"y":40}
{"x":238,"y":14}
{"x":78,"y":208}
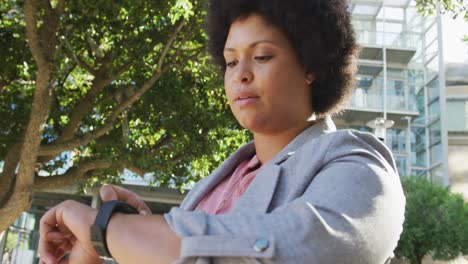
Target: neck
{"x":267,"y":145}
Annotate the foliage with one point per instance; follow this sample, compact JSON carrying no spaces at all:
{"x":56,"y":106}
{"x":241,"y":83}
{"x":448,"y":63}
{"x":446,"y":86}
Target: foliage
{"x":454,"y":7}
{"x":179,"y":128}
{"x":435,"y":222}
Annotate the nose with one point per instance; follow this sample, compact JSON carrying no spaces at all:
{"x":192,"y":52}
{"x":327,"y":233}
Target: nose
{"x":244,"y":74}
{"x":246,"y":77}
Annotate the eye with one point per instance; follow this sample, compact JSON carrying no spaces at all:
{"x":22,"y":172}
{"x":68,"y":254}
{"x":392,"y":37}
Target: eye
{"x":231,"y":64}
{"x":263,"y":58}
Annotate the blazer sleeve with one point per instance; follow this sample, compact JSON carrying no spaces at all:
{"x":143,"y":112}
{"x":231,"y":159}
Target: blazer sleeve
{"x":352,"y":212}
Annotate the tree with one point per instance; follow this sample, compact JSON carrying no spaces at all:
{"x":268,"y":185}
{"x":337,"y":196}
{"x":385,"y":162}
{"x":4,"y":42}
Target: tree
{"x":454,"y":7}
{"x":435,"y":222}
{"x":89,"y":88}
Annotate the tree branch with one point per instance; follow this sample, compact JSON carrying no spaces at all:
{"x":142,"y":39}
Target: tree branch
{"x":135,"y":169}
{"x":84,"y":106}
{"x":100,"y":82}
{"x":32,"y":36}
{"x":161,"y":143}
{"x":72,"y":176}
{"x":82,"y":172}
{"x":70,"y":53}
{"x":7,"y":178}
{"x":49,"y":29}
{"x":60,"y":145}
{"x":41,"y":101}
{"x":169,"y":44}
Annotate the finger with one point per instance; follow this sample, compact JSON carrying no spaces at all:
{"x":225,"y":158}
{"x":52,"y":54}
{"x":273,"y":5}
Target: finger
{"x":56,"y":237}
{"x":139,"y":204}
{"x":47,"y":224}
{"x":108,"y":193}
{"x":64,"y":261}
{"x":114,"y":192}
{"x":46,"y":251}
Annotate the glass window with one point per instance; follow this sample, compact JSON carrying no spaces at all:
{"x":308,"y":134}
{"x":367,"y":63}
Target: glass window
{"x":412,"y":100}
{"x":363,"y":25}
{"x":432,"y":67}
{"x":431,"y":34}
{"x":395,"y":73}
{"x":365,"y":10}
{"x":401,"y":165}
{"x":434,"y":133}
{"x":458,"y":111}
{"x":414,"y":20}
{"x":466,"y":115}
{"x":437,"y":175}
{"x":396,"y":95}
{"x":433,"y":89}
{"x":436,"y":153}
{"x":396,"y":140}
{"x":434,"y":110}
{"x":393,"y":13}
{"x":368,"y":93}
{"x":418,"y":146}
{"x":420,"y":107}
{"x":389,"y":27}
{"x":416,"y":77}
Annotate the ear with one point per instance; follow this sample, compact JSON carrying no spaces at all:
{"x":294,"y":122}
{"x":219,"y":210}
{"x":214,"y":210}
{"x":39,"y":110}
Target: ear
{"x":310,"y":77}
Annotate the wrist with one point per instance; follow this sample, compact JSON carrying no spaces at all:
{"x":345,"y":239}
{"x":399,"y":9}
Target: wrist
{"x":99,"y":229}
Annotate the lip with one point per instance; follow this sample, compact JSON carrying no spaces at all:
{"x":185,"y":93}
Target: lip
{"x":246,"y":101}
{"x":246,"y":98}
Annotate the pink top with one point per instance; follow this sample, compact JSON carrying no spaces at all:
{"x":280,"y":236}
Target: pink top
{"x":222,"y":198}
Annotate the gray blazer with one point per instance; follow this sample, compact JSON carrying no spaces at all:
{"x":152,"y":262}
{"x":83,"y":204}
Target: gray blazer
{"x":328,"y":197}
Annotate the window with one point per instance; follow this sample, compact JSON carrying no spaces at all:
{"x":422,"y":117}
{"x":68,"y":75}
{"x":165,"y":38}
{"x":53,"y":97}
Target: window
{"x":466,"y":115}
{"x":436,"y":153}
{"x":418,"y":146}
{"x":458,"y":112}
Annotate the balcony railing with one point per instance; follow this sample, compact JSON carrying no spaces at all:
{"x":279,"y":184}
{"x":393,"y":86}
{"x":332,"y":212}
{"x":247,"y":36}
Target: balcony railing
{"x":389,"y":39}
{"x":375,"y":101}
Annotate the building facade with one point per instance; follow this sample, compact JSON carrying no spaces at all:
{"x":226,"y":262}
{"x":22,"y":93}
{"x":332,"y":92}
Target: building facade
{"x":457,"y":126}
{"x":401,"y":78}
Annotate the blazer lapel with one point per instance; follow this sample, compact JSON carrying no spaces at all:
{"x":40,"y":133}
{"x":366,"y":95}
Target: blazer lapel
{"x":258,"y":195}
{"x":261,"y":190}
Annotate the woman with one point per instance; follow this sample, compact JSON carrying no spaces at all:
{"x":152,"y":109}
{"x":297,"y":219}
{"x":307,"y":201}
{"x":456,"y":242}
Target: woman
{"x":301,"y":192}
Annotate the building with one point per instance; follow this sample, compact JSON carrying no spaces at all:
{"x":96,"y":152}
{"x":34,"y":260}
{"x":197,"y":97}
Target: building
{"x":401,"y":78}
{"x":457,"y":126}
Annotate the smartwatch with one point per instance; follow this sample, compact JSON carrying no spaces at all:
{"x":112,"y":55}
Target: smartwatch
{"x":99,"y":228}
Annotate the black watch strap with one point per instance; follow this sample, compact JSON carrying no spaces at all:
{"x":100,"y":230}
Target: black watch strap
{"x":99,"y":228}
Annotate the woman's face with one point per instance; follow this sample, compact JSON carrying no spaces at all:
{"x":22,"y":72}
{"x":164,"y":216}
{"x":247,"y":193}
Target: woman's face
{"x":266,"y":86}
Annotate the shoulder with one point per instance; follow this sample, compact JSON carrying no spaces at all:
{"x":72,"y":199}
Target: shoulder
{"x":351,"y":144}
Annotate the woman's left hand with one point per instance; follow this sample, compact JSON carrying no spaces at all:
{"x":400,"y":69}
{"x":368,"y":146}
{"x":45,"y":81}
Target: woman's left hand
{"x":66,"y":229}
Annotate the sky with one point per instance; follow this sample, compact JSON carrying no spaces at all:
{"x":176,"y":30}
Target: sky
{"x":455,"y":50}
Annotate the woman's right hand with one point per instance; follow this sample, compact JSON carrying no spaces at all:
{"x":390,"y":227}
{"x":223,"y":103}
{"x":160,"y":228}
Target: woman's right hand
{"x":113,"y":192}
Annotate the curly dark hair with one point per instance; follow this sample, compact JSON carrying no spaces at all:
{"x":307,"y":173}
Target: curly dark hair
{"x":320,"y":32}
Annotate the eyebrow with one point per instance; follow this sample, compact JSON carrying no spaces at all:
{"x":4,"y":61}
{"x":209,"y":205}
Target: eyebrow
{"x":254,"y":44}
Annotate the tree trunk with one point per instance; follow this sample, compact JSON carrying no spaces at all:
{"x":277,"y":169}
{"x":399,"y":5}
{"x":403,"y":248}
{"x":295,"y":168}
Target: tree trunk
{"x":18,"y":202}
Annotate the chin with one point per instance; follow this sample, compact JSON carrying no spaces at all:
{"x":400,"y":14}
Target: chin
{"x":247,"y":125}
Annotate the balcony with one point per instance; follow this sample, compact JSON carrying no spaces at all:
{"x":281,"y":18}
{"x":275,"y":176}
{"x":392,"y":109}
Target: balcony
{"x":367,"y":102}
{"x":401,"y":47}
